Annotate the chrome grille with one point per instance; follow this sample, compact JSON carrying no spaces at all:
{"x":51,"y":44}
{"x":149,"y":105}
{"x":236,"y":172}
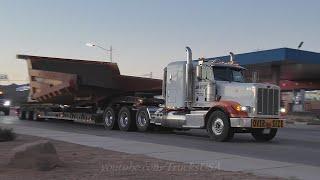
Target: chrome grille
{"x":268,"y":101}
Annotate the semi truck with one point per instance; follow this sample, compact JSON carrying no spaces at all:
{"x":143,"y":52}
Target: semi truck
{"x":194,"y":94}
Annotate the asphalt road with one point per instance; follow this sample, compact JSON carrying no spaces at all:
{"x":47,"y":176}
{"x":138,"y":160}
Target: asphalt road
{"x":294,"y":144}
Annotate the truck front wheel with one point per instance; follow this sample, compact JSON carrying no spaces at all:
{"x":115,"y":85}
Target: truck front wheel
{"x":218,"y":127}
{"x":110,"y":118}
{"x":263,"y":135}
{"x":126,"y":120}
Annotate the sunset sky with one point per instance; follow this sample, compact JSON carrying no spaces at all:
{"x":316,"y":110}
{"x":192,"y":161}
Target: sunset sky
{"x":148,"y":34}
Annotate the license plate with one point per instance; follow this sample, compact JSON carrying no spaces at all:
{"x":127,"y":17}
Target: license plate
{"x":267,"y":123}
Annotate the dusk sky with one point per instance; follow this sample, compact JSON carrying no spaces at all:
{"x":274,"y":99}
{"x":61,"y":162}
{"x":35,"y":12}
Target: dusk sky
{"x":148,"y":34}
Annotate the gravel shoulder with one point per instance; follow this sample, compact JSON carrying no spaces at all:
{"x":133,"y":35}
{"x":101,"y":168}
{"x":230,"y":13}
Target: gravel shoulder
{"x":82,"y":162}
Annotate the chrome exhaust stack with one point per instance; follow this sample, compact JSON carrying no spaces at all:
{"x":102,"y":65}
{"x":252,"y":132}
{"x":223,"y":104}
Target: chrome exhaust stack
{"x":232,"y":59}
{"x":189,"y":78}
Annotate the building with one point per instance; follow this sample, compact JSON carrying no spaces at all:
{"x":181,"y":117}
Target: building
{"x":297,"y":72}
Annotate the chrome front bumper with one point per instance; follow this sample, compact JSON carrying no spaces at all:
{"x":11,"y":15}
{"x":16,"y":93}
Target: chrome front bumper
{"x":245,"y":122}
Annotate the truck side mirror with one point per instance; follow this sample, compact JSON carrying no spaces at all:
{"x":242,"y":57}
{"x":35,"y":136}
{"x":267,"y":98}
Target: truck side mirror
{"x":199,"y":72}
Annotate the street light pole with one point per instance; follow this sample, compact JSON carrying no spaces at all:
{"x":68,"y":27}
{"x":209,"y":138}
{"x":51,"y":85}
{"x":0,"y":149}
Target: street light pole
{"x":100,"y":47}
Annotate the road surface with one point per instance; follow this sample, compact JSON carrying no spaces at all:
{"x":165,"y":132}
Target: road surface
{"x":295,"y":144}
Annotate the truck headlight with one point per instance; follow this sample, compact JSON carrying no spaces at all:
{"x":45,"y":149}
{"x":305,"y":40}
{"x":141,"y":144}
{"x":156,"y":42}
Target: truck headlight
{"x":246,"y":109}
{"x":242,"y":108}
{"x":7,"y":103}
{"x":283,"y":110}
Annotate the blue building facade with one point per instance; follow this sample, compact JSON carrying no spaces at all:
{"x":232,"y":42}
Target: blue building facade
{"x":275,"y":55}
{"x":297,"y":72}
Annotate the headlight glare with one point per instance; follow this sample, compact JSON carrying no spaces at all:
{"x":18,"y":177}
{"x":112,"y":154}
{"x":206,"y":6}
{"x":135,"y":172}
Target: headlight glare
{"x":242,"y":108}
{"x":283,"y":110}
{"x":7,"y":103}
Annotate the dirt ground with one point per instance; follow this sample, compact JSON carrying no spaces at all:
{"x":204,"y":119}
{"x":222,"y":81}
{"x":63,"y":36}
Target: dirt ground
{"x":81,"y":162}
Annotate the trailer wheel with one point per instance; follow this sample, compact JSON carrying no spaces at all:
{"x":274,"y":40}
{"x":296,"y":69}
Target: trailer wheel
{"x":27,"y":115}
{"x":143,"y":120}
{"x":218,"y":127}
{"x":22,"y":115}
{"x":34,"y":116}
{"x":110,"y":118}
{"x":262,"y":136}
{"x":7,"y":112}
{"x":126,"y":120}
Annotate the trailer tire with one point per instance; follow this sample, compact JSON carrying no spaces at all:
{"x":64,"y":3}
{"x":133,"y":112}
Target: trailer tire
{"x":22,"y":115}
{"x":34,"y":116}
{"x":7,"y":112}
{"x":143,"y":120}
{"x":260,"y":136}
{"x":126,"y":119}
{"x":30,"y":115}
{"x":218,"y":127}
{"x":110,"y":118}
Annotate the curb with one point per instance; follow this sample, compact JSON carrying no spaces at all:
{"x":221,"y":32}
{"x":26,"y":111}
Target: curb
{"x":304,"y":123}
{"x":313,"y":123}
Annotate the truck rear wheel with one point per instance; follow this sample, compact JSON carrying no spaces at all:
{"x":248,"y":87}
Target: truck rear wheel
{"x":143,"y":120}
{"x":218,"y":127}
{"x":126,"y":120}
{"x":110,"y":118}
{"x":262,"y":136}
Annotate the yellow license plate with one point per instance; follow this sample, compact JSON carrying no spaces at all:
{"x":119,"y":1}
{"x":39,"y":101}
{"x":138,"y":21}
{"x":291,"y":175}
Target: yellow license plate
{"x":267,"y":123}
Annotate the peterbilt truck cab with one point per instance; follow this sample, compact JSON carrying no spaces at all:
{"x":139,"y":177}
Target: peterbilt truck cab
{"x":213,"y":95}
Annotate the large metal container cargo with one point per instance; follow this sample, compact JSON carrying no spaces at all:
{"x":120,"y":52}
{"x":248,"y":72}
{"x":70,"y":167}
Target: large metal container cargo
{"x":69,"y":81}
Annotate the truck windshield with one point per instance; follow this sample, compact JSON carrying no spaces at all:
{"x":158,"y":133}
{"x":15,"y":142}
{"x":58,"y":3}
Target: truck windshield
{"x":228,"y":74}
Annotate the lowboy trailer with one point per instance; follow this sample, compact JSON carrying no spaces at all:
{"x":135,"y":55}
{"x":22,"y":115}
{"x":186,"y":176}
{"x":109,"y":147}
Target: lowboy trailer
{"x":202,"y":94}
